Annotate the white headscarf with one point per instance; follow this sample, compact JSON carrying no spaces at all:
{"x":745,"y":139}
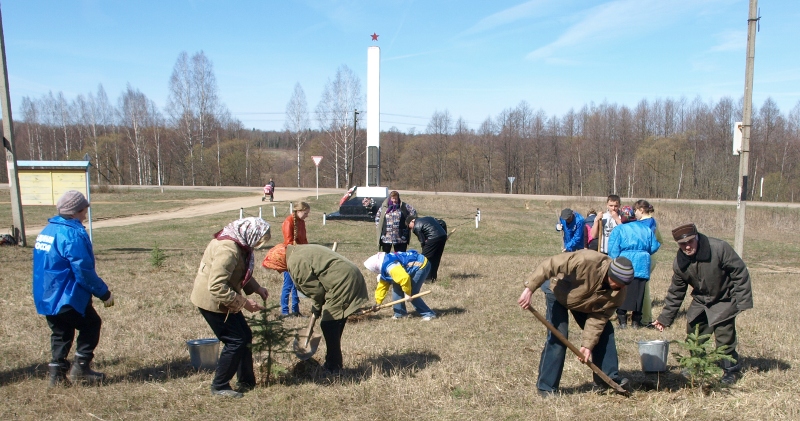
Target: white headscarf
{"x":374,"y":263}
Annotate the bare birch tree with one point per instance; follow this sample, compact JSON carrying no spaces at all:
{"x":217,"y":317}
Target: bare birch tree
{"x":340,"y":97}
{"x":297,"y":122}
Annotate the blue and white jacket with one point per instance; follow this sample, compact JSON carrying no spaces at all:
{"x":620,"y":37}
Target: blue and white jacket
{"x":64,"y":269}
{"x":636,"y":242}
{"x":398,"y":267}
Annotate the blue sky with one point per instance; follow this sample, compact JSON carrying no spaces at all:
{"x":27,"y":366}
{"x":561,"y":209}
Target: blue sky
{"x":472,"y":58}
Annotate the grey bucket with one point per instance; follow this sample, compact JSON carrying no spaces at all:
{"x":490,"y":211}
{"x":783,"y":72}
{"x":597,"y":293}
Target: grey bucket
{"x":653,"y":355}
{"x":203,"y":353}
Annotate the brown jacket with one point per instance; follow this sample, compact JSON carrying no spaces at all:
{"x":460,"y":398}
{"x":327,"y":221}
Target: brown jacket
{"x":335,"y":284}
{"x":218,"y":284}
{"x":577,"y":280}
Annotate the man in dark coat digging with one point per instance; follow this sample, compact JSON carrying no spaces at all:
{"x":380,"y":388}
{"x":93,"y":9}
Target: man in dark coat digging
{"x":591,"y":286}
{"x":720,"y":291}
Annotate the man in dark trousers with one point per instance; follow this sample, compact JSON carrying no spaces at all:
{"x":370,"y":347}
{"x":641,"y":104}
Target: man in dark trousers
{"x":432,"y":237}
{"x":591,"y":286}
{"x":720,"y":291}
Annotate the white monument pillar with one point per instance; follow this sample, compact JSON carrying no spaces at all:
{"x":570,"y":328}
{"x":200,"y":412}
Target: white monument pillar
{"x":373,"y":115}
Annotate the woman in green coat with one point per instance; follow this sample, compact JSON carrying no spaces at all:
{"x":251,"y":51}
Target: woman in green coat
{"x":333,"y":283}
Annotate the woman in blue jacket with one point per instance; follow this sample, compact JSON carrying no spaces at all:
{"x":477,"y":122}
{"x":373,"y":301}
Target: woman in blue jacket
{"x":637,"y":242}
{"x":64,"y":281}
{"x":403,"y":272}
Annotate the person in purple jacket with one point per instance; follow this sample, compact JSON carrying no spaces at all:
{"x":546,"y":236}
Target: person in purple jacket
{"x":64,"y":281}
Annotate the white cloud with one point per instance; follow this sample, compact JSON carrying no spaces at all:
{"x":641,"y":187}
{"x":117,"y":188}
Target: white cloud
{"x":512,"y":14}
{"x":618,"y":19}
{"x":730,"y":41}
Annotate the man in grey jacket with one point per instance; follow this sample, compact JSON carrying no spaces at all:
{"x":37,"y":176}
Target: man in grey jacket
{"x":720,"y":291}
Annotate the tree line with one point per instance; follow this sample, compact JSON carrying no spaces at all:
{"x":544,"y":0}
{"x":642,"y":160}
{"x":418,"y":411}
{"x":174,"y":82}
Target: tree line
{"x":663,"y":148}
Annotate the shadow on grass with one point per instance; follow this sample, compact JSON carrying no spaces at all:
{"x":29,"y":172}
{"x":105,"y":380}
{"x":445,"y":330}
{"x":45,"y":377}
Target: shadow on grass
{"x":168,"y":370}
{"x":764,"y":365}
{"x":464,"y":276}
{"x":23,"y":373}
{"x":403,"y":365}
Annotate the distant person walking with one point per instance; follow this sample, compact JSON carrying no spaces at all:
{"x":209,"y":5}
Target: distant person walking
{"x":570,"y":223}
{"x":433,"y":237}
{"x":294,"y":232}
{"x":390,"y":221}
{"x":64,"y":281}
{"x":637,"y":242}
{"x":223,"y":281}
{"x":720,"y":291}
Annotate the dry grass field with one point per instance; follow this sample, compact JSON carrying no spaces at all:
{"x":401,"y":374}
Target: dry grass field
{"x":477,"y":361}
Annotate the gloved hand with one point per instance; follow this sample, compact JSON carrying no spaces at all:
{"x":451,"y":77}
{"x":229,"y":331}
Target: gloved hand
{"x":109,"y":302}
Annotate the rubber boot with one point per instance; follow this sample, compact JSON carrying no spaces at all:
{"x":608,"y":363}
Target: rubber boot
{"x":82,"y":373}
{"x":623,"y":320}
{"x":636,"y":320}
{"x":730,"y":370}
{"x":58,"y":373}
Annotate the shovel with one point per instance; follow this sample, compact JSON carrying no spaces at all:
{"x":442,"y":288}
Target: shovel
{"x":376,"y":308}
{"x":305,"y":342}
{"x":617,"y":388}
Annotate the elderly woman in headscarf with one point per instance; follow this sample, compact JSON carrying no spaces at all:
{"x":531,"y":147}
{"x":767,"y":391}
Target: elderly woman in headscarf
{"x":223,"y":281}
{"x":334,"y":284}
{"x":390,"y":221}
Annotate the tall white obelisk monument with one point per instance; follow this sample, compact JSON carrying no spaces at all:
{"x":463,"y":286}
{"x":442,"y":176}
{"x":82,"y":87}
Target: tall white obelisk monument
{"x":373,"y":115}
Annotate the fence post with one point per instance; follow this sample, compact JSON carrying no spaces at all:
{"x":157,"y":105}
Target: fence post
{"x":324,"y":218}
{"x":259,"y":213}
{"x":241,"y":213}
{"x":273,"y":211}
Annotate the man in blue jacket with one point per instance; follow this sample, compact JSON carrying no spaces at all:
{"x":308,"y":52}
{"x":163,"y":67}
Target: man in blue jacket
{"x":64,"y":281}
{"x":571,"y":224}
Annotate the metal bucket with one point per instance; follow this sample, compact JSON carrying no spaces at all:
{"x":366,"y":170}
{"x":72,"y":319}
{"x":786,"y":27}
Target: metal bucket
{"x":203,"y":353}
{"x":653,"y":355}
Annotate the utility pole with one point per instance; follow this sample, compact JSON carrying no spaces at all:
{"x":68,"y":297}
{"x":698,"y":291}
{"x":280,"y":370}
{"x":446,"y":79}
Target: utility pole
{"x":11,"y":155}
{"x":744,"y":157}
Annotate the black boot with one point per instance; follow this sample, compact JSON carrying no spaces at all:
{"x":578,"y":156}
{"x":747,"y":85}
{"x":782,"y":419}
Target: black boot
{"x":729,"y":372}
{"x":623,"y":320}
{"x":82,"y":373}
{"x":58,"y":373}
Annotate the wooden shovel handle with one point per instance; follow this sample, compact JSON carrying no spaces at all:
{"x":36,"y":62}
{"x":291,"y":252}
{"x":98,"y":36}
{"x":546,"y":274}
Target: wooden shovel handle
{"x":376,"y":308}
{"x":577,"y":351}
{"x":310,"y":328}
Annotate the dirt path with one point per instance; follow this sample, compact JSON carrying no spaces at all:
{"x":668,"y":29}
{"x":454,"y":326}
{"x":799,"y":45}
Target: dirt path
{"x":283,"y":198}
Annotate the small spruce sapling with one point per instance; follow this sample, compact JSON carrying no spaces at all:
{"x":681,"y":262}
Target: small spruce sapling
{"x":157,"y":256}
{"x":702,"y":363}
{"x":270,"y":336}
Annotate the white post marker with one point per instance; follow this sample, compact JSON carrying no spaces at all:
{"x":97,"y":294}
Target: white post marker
{"x":259,"y":213}
{"x":241,"y":213}
{"x":317,"y":160}
{"x":273,"y":211}
{"x":511,"y":180}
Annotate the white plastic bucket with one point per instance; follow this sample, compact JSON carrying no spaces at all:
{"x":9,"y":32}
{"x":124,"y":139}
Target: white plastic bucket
{"x":203,"y":353}
{"x":653,"y":355}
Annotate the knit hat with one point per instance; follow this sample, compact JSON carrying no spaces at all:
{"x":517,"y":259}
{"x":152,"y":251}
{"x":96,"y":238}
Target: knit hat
{"x":566,"y":213}
{"x":621,"y":270}
{"x":409,"y":219}
{"x":684,"y":233}
{"x":71,"y":203}
{"x":375,"y":262}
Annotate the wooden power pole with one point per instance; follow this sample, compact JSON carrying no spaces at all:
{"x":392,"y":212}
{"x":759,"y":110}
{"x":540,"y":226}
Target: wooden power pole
{"x":18,"y":230}
{"x":744,"y":157}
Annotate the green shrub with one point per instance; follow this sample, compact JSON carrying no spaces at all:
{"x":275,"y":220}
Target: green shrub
{"x":157,"y":256}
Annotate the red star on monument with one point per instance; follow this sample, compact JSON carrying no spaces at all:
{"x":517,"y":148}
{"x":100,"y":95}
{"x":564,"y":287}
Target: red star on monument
{"x":374,"y":36}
